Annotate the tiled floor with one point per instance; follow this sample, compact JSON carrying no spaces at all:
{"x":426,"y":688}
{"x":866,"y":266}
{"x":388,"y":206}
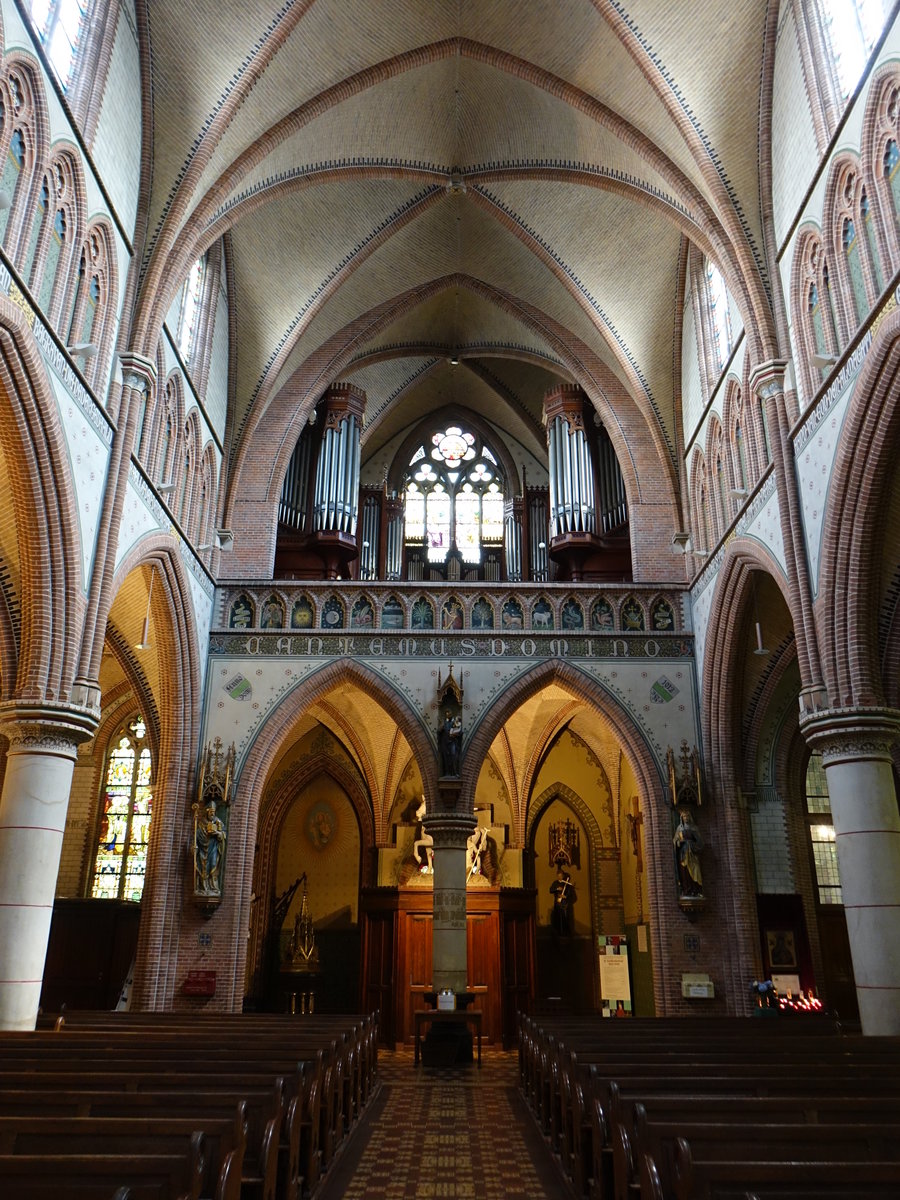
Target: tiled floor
{"x":459,"y":1134}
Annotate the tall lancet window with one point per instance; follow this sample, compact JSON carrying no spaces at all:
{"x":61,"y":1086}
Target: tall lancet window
{"x":718,"y":311}
{"x":120,"y":860}
{"x":852,"y":27}
{"x":61,"y":25}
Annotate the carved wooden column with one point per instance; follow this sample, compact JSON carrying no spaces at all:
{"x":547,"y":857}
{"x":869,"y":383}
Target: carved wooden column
{"x":43,"y":744}
{"x":856,"y":754}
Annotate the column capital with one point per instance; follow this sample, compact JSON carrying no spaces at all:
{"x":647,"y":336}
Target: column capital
{"x":450,"y":828}
{"x":138,"y":372}
{"x":46,"y":728}
{"x":852,"y":734}
{"x":767,"y":379}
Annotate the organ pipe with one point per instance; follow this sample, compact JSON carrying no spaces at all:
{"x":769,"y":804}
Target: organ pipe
{"x":337,"y":472}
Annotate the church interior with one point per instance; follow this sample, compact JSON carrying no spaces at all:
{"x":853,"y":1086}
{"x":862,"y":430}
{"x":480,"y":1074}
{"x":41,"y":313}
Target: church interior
{"x":451,"y":523}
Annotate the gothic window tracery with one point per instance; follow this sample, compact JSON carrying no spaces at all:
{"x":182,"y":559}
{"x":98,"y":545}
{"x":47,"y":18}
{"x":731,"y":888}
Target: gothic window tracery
{"x":453,"y":497}
{"x":126,"y":800}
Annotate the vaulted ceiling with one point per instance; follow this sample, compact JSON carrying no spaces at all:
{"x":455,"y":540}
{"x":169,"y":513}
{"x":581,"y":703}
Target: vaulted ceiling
{"x":507,"y":181}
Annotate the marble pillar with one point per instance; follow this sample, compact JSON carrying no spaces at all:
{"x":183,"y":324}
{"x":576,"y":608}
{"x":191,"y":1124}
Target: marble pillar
{"x":450,"y":832}
{"x":856,"y":754}
{"x":43,"y":743}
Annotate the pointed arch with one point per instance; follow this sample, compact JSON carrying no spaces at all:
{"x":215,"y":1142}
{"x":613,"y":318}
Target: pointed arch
{"x":537,"y":807}
{"x":853,"y":526}
{"x":271,"y":820}
{"x":175,"y":629}
{"x":43,"y":497}
{"x":255,"y":766}
{"x":23,"y":149}
{"x":647,"y":771}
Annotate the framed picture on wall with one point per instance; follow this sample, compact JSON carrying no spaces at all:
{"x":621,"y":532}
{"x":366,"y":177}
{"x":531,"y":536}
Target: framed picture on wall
{"x":781,"y":948}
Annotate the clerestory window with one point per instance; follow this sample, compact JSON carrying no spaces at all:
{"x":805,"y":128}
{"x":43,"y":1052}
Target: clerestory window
{"x":723,"y":339}
{"x":453,"y":497}
{"x":61,"y":26}
{"x":189,"y":314}
{"x":852,"y":27}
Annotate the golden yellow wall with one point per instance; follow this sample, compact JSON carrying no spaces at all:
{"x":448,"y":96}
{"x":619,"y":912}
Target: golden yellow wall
{"x":320,"y":835}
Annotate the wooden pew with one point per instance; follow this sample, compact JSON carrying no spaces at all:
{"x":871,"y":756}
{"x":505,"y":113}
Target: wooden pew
{"x":831,"y":1178}
{"x":43,"y":1176}
{"x":224,"y":1142}
{"x":148,"y":1056}
{"x":571,"y":1092}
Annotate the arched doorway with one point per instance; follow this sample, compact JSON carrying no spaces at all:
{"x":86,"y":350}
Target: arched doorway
{"x":577,"y":842}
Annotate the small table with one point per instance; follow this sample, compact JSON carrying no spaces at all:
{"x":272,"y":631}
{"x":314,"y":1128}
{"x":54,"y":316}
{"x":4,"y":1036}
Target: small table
{"x":471,"y":1016}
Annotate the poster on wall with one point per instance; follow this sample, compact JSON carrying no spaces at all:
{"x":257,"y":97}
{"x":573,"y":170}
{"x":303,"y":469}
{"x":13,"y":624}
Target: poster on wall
{"x":615,"y":979}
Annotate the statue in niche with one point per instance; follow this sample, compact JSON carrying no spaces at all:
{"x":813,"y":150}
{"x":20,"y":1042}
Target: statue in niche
{"x":209,"y":845}
{"x":449,"y":738}
{"x":563,"y":891}
{"x":210,"y":811}
{"x":688,"y":843}
{"x":448,"y":743}
{"x":424,"y":843}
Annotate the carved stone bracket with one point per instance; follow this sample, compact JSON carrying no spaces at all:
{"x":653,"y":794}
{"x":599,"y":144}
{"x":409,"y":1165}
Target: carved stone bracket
{"x":138,"y":373}
{"x":46,"y":728}
{"x":767,"y":379}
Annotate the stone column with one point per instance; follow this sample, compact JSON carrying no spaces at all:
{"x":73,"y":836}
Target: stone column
{"x":448,"y":963}
{"x":43,"y":743}
{"x":856,"y":754}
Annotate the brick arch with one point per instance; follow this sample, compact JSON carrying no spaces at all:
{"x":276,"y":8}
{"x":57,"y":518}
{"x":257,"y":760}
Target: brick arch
{"x":179,"y":707}
{"x":721,"y":746}
{"x":42,"y":498}
{"x":808,"y":265}
{"x":536,"y":809}
{"x":33,"y":124}
{"x":256,"y":478}
{"x":648,"y":777}
{"x":853,"y":527}
{"x":271,"y":821}
{"x":253,"y":770}
{"x":843,"y":193}
{"x":881,"y":122}
{"x":724,"y":645}
{"x":715,"y":457}
{"x":581,"y":686}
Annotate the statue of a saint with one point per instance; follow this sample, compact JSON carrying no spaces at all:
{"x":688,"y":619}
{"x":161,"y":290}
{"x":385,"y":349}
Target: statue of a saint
{"x":209,"y":844}
{"x":475,"y":848}
{"x":449,"y":739}
{"x":563,"y":891}
{"x":688,"y":843}
{"x":424,"y":842}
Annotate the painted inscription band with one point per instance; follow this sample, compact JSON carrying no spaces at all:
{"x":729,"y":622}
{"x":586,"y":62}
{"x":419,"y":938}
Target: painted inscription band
{"x":443,"y":646}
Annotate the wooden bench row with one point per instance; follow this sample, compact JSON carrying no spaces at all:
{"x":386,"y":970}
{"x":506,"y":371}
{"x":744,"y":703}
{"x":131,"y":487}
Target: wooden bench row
{"x":209,"y":1107}
{"x":678,"y":1110}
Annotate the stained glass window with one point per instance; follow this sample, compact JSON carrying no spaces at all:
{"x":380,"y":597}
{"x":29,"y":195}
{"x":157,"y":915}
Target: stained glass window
{"x":126,"y":804}
{"x":453,"y":496}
